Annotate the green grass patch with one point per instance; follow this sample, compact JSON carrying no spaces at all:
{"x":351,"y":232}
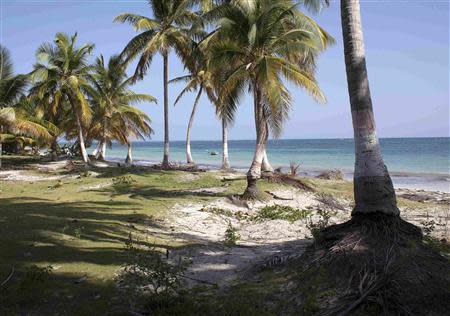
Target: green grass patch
{"x":282,"y":212}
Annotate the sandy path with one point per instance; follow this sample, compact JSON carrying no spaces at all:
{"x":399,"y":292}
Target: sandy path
{"x":261,"y":242}
{"x":267,"y":242}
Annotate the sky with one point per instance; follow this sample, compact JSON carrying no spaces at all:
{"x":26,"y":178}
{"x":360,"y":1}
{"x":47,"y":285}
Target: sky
{"x":407,"y":52}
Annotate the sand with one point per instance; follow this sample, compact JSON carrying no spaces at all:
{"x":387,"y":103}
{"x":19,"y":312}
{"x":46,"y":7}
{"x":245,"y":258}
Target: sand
{"x":261,"y":242}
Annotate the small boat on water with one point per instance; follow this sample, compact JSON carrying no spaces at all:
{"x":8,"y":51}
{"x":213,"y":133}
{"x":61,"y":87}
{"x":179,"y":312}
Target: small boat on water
{"x":213,"y":153}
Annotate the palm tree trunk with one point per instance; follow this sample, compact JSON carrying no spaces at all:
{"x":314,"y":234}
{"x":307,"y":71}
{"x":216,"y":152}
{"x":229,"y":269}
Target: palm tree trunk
{"x":254,"y":173}
{"x":265,"y":162}
{"x":129,"y":159}
{"x":165,"y":163}
{"x":225,"y":160}
{"x":188,"y":133}
{"x":373,"y":188}
{"x":54,"y":148}
{"x":102,"y":151}
{"x":96,"y":151}
{"x":266,"y":166}
{"x":81,"y":140}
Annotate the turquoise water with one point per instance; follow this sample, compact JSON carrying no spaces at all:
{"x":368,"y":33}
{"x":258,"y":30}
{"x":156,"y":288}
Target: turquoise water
{"x":420,"y":163}
{"x":402,"y":155}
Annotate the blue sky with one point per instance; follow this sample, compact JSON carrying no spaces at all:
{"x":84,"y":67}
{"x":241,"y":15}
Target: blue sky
{"x":407,"y":47}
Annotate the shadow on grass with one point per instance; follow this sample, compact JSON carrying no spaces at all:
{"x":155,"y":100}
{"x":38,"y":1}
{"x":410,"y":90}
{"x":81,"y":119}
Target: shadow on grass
{"x":37,"y":231}
{"x":79,"y":236}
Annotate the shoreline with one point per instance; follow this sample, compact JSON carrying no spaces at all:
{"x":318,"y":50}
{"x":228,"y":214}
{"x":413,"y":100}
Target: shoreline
{"x":402,"y":180}
{"x":437,"y":183}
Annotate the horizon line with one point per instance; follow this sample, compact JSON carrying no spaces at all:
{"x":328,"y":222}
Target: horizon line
{"x":335,"y":138}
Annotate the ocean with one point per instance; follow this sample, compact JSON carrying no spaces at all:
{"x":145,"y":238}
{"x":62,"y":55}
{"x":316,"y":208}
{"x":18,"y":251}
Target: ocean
{"x":420,"y":163}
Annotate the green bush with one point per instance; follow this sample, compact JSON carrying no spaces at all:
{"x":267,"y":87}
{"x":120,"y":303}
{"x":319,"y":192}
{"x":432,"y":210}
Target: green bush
{"x":231,"y":235}
{"x":323,"y":222}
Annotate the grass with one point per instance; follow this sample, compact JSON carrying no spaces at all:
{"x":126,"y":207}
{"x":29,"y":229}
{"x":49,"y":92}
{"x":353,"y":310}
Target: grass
{"x":79,"y":225}
{"x":81,"y":232}
{"x":64,"y":239}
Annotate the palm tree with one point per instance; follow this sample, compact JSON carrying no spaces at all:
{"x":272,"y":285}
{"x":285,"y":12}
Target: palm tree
{"x":21,"y":124}
{"x":63,"y":72}
{"x":15,"y":123}
{"x":265,"y":41}
{"x":199,"y":80}
{"x":49,"y":107}
{"x":11,"y":88}
{"x":129,"y":122}
{"x":112,"y":102}
{"x":373,"y":188}
{"x":168,"y":29}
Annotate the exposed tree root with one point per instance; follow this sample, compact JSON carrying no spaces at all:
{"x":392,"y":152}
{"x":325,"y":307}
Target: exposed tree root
{"x":276,"y":177}
{"x":277,"y":197}
{"x":373,"y":265}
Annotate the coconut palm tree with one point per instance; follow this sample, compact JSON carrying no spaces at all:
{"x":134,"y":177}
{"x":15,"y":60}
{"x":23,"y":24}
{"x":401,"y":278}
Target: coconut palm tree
{"x":169,"y":29}
{"x":51,"y":108}
{"x":373,"y":188}
{"x":63,"y":72}
{"x":21,"y":125}
{"x":266,"y":42}
{"x":112,"y":101}
{"x":11,"y":88}
{"x":200,"y":81}
{"x":15,"y":123}
{"x":127,"y":123}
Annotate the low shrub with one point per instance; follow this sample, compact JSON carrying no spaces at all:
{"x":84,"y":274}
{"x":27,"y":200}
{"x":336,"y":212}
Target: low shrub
{"x":282,"y":212}
{"x":231,"y":235}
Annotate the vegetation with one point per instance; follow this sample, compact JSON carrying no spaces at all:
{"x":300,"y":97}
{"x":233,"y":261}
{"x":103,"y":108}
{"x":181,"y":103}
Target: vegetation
{"x":231,"y":235}
{"x":169,"y":29}
{"x":264,"y":42}
{"x":372,"y":264}
{"x":61,"y":76}
{"x":17,"y":120}
{"x":282,"y":212}
{"x":115,"y":116}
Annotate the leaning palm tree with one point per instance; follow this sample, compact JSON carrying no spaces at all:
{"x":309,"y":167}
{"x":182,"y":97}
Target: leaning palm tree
{"x":169,"y":29}
{"x":63,"y":72}
{"x":199,"y":80}
{"x":374,"y":191}
{"x":265,"y":42}
{"x":411,"y":278}
{"x":373,"y":188}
